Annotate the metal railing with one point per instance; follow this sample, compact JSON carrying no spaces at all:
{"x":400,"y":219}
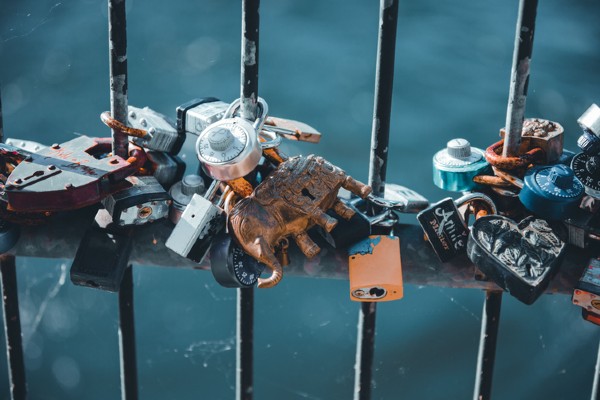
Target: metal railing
{"x":149,"y":246}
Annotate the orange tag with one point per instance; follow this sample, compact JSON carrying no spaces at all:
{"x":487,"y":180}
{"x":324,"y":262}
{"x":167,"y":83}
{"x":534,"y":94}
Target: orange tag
{"x":375,"y":269}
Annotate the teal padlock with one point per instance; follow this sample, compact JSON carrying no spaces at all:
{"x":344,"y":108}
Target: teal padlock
{"x":455,"y":166}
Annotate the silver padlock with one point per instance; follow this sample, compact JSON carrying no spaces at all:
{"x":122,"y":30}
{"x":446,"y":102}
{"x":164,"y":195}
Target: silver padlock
{"x":161,"y":132}
{"x":196,"y":115}
{"x":230,"y":148}
{"x":145,"y":201}
{"x":200,"y":222}
{"x":182,"y":193}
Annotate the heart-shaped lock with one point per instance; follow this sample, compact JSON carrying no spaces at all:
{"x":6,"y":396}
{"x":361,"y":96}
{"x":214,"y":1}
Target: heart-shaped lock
{"x":520,"y":258}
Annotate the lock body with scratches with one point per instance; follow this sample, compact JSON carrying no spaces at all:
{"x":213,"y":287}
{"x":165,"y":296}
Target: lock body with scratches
{"x":375,"y":269}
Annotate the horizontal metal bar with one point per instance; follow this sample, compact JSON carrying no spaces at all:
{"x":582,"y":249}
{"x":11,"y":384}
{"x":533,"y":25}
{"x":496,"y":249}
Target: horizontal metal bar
{"x":60,"y":239}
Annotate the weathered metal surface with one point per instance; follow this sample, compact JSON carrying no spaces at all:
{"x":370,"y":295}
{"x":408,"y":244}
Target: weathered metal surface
{"x":59,"y":239}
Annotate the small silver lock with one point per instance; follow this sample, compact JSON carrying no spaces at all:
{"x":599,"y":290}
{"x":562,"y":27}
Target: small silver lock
{"x":200,"y":222}
{"x":230,"y":148}
{"x":182,"y":193}
{"x":161,"y":132}
{"x":196,"y":115}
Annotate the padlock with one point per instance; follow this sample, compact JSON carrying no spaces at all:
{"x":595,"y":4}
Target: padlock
{"x":582,"y":226}
{"x":551,"y":192}
{"x":231,"y":266}
{"x":445,"y":227}
{"x":102,"y":257}
{"x":27,"y":145}
{"x":589,"y":141}
{"x":375,"y":269}
{"x":162,"y":134}
{"x":145,"y":201}
{"x":182,"y":193}
{"x":586,"y":293}
{"x":196,"y":115}
{"x":542,"y":133}
{"x":455,"y":166}
{"x":200,"y":222}
{"x":587,"y":169}
{"x":230,"y":148}
{"x":72,"y":175}
{"x":520,"y":258}
{"x":166,"y":168}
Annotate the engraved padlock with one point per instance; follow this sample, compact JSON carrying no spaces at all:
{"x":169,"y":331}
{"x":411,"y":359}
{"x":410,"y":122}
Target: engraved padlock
{"x":587,"y":169}
{"x":587,"y":292}
{"x":200,"y":222}
{"x":542,"y":133}
{"x":230,"y":148}
{"x":455,"y":166}
{"x":589,"y":141}
{"x":446,"y":227}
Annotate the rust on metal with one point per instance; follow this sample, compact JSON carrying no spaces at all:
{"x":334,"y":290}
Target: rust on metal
{"x":493,"y":155}
{"x":119,"y":126}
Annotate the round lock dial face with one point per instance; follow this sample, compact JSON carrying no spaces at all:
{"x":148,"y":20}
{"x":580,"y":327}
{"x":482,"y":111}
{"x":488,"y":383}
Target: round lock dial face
{"x":581,"y":168}
{"x":542,"y":178}
{"x":222,"y":142}
{"x":246,"y":269}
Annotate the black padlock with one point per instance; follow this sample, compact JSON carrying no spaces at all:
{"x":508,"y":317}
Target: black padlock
{"x":520,"y":258}
{"x":231,"y":266}
{"x":582,"y":226}
{"x":445,"y":227}
{"x":102,"y":257}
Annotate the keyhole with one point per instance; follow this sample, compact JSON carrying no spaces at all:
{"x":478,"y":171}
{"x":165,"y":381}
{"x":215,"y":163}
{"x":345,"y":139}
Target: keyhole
{"x":306,"y":193}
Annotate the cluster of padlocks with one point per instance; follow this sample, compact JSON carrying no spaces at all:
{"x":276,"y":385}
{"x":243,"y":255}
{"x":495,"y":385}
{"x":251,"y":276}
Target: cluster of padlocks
{"x":247,"y":200}
{"x":524,"y":210}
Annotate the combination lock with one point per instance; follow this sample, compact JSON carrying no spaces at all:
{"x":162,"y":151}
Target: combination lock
{"x":455,"y":166}
{"x":231,"y":266}
{"x":587,"y":169}
{"x":230,"y":148}
{"x":552,"y":192}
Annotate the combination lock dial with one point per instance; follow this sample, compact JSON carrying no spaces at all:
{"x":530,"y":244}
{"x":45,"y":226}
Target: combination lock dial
{"x":455,"y":166}
{"x":587,"y":170}
{"x":551,"y":192}
{"x":231,"y":266}
{"x":230,"y":148}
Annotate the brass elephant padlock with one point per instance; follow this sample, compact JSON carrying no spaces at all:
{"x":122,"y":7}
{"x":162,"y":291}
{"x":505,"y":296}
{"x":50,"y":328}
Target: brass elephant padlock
{"x":288,"y":203}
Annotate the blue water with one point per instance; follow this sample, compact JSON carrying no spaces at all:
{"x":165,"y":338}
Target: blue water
{"x":317,"y":65}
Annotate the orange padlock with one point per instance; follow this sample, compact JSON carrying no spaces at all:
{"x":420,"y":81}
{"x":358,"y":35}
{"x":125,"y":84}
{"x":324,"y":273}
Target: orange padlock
{"x":375,"y":269}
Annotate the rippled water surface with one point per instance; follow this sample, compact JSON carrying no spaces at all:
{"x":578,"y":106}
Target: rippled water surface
{"x":317,"y":65}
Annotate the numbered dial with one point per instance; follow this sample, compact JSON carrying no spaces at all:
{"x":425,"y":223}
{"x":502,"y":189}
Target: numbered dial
{"x":587,"y":170}
{"x":551,"y":192}
{"x":231,"y":266}
{"x":229,"y":149}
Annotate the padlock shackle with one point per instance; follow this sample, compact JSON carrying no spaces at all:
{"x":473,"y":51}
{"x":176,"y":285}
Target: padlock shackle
{"x":473,"y":197}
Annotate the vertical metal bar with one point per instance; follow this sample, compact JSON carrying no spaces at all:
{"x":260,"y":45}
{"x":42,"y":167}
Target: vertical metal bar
{"x":382,"y":109}
{"x":245,"y":297}
{"x":245,"y":343}
{"x":117,"y":42}
{"x":249,"y":81}
{"x":595,"y":387}
{"x":519,"y":79}
{"x":490,"y":321}
{"x":12,"y":327}
{"x":129,"y":386}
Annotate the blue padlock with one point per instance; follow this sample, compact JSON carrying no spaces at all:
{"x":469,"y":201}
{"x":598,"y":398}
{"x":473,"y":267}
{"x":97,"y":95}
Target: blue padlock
{"x":455,"y":166}
{"x":551,"y":192}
